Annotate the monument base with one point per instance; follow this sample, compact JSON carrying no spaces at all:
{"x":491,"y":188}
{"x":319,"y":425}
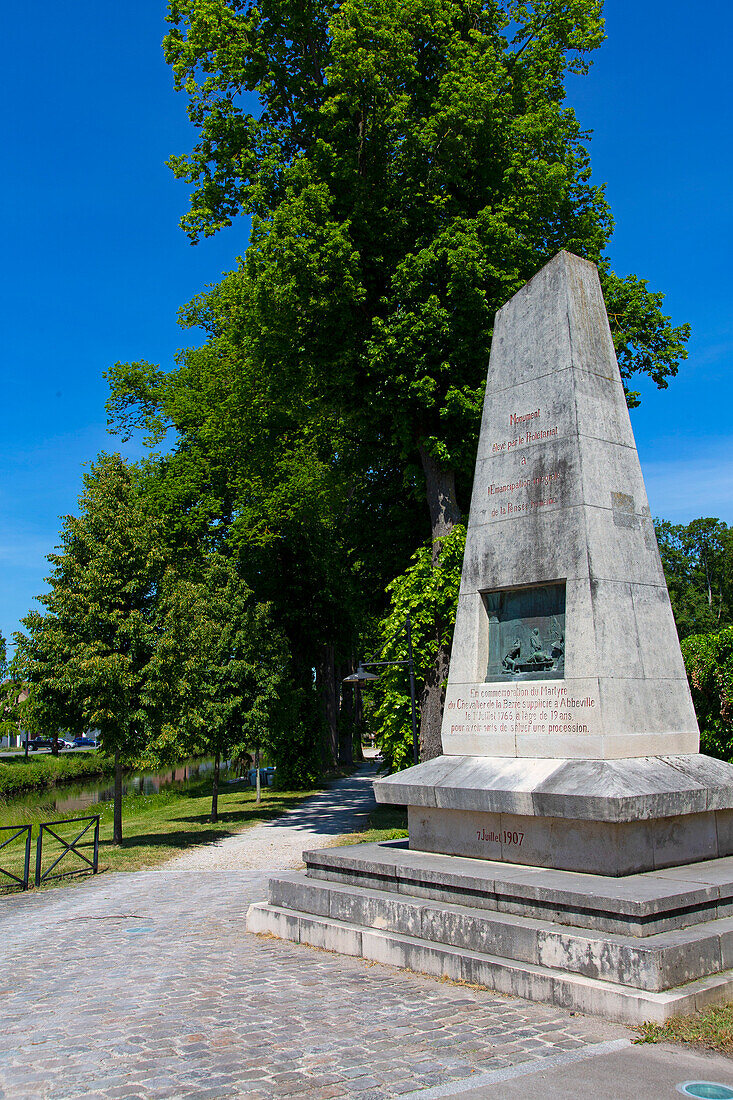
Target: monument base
{"x":605,"y":817}
{"x":645,"y":947}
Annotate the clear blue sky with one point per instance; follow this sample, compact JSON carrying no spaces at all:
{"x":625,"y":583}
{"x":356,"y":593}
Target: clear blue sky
{"x":95,"y":266}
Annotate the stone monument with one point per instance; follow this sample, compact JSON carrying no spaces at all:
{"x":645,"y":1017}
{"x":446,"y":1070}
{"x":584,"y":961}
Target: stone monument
{"x":571,"y":844}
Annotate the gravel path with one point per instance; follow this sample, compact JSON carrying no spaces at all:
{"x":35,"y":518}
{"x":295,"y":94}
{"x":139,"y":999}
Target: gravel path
{"x":316,"y":823}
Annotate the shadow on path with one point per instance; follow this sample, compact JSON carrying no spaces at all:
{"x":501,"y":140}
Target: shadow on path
{"x":338,"y":810}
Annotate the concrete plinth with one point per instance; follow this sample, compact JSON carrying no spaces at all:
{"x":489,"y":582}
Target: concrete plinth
{"x":647,"y":947}
{"x":606,"y":817}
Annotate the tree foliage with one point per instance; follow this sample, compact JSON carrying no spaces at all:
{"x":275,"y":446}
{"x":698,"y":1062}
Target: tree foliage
{"x":407,"y":165}
{"x":698,"y":566}
{"x":709,"y":664}
{"x":219,"y":672}
{"x":87,"y":658}
{"x":428,"y":592}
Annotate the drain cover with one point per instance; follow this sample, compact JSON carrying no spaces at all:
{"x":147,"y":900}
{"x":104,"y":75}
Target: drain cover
{"x":708,"y":1090}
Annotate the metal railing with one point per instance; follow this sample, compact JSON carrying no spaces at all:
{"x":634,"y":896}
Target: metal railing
{"x":18,"y":830}
{"x":70,"y":847}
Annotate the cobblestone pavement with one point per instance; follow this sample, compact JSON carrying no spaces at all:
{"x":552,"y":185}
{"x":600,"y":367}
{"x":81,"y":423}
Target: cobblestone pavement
{"x":147,"y":985}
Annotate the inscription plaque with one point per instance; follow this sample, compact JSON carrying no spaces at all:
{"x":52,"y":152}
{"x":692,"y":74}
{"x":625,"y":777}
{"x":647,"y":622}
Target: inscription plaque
{"x":526,"y":633}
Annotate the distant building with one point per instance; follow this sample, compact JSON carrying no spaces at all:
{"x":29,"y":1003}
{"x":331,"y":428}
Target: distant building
{"x":14,"y":740}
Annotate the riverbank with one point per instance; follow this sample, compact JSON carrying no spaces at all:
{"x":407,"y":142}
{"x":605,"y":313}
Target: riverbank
{"x":19,"y":775}
{"x":158,"y":826}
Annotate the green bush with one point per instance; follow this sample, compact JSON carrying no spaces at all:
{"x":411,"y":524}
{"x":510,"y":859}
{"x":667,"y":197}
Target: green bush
{"x":18,"y":775}
{"x":428,"y":591}
{"x":709,"y":663}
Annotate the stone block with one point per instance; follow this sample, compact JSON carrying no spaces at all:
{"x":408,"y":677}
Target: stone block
{"x":622,"y":746}
{"x":723,"y":823}
{"x":376,"y":911}
{"x":608,"y":467}
{"x":651,"y":607}
{"x":688,"y":955}
{"x":684,"y":839}
{"x":724,"y":928}
{"x":262,"y":918}
{"x":617,"y":640}
{"x":616,"y":552}
{"x":330,"y":935}
{"x":714,"y":990}
{"x":472,"y":930}
{"x":527,"y":981}
{"x":296,"y":892}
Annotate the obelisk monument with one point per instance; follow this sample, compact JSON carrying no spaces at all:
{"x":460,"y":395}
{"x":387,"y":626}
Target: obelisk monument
{"x":571,"y":845}
{"x":569,"y":735}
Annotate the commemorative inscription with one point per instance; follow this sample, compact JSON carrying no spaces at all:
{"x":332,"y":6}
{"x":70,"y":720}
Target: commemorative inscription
{"x":550,"y":708}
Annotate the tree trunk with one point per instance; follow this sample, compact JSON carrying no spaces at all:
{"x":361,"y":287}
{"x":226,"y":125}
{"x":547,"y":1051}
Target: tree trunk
{"x":215,"y":789}
{"x":346,"y":744}
{"x":440,"y":488}
{"x":347,"y":717}
{"x":358,"y":724}
{"x":329,"y":699}
{"x":258,"y":785}
{"x":117,"y":823}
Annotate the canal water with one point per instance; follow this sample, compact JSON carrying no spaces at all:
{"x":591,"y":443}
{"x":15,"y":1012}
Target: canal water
{"x":77,"y":799}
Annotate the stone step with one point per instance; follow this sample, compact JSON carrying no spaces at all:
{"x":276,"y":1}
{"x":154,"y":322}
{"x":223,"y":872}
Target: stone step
{"x":653,"y":964}
{"x":639,"y":905}
{"x":520,"y":979}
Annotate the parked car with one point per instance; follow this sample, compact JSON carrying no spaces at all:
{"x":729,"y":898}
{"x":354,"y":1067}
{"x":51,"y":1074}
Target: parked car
{"x":45,"y":743}
{"x":83,"y":742}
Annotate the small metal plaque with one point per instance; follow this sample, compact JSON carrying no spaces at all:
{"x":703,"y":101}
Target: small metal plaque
{"x":526,"y":633}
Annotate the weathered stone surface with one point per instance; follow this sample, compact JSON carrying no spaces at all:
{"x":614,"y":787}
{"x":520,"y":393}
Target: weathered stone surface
{"x":621,"y":977}
{"x":639,"y":904}
{"x":654,"y":963}
{"x":608,"y":817}
{"x":559,"y":498}
{"x":632,"y":789}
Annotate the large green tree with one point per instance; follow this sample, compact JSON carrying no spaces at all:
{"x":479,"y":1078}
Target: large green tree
{"x":87,"y":656}
{"x":218,"y":675}
{"x":709,"y":664}
{"x":408,"y":165}
{"x":313,"y":514}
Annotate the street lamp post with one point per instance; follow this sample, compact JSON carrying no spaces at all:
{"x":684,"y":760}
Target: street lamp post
{"x":362,"y":675}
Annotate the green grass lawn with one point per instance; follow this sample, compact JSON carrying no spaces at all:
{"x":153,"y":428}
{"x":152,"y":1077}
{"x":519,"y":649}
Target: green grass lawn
{"x":157,"y":827}
{"x":711,"y":1029}
{"x":384,"y":823}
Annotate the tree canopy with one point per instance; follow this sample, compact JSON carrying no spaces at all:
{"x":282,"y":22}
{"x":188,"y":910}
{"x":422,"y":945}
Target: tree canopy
{"x":407,"y":165}
{"x":87,"y":657}
{"x":698,"y":566}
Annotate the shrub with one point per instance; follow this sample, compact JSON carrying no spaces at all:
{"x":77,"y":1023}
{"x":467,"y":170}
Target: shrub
{"x":709,"y":663}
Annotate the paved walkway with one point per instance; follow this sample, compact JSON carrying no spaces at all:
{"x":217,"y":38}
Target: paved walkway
{"x":316,"y":823}
{"x":147,"y":986}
